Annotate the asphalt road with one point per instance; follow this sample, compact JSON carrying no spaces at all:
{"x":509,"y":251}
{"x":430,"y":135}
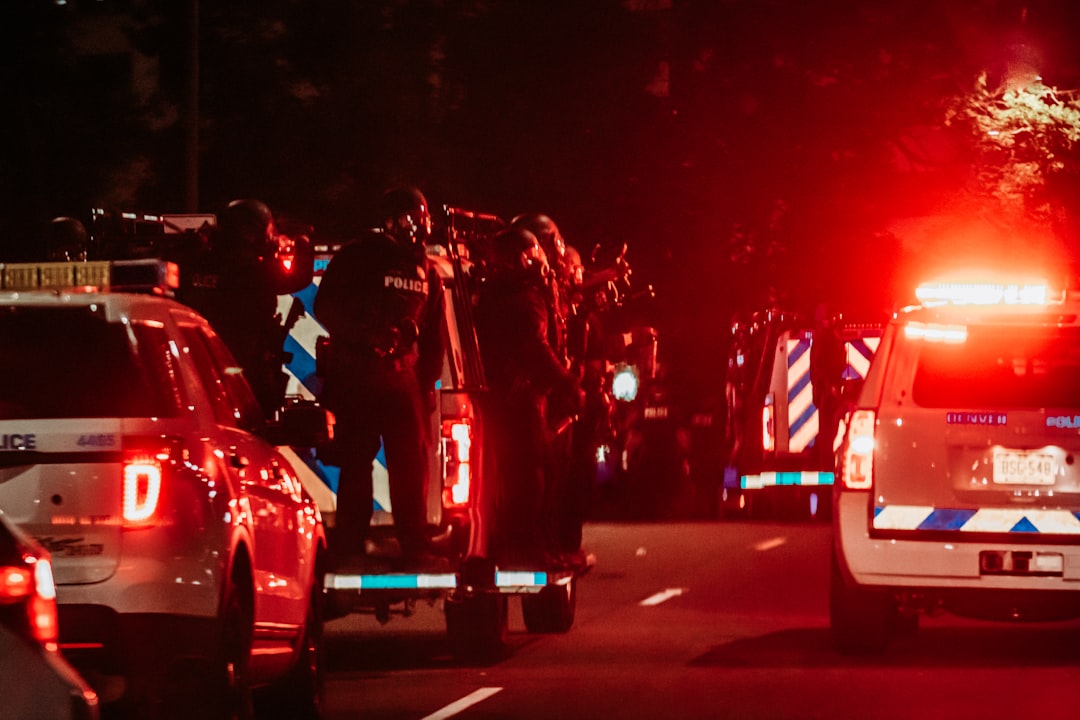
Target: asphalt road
{"x":704,"y":620}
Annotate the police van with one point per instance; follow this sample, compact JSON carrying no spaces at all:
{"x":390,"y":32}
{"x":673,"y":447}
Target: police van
{"x":463,"y":497}
{"x":959,"y":488}
{"x":787,"y":379}
{"x":186,"y":553}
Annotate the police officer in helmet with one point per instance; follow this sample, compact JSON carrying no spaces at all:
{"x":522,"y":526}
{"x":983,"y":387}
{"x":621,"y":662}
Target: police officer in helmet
{"x":235,"y":281}
{"x":532,"y":391}
{"x":381,"y":302}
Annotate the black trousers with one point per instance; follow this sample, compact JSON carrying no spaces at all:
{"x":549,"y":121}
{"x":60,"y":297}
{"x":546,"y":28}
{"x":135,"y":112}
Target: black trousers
{"x":373,"y":399}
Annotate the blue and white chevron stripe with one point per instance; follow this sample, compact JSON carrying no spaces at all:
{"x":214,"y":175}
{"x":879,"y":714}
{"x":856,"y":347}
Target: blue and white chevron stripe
{"x":859,"y":352}
{"x":986,"y":520}
{"x":302,"y":382}
{"x":802,"y":413}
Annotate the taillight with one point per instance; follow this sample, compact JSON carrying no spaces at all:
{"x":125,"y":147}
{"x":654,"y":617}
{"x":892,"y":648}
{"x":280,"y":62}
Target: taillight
{"x":33,"y":584}
{"x":768,"y":425}
{"x":457,"y":462}
{"x":858,"y":469}
{"x":145,"y":464}
{"x":43,"y":619}
{"x":16,"y":583}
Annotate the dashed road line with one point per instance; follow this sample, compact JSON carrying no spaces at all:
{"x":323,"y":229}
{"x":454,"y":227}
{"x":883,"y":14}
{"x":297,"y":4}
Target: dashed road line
{"x":466,"y":702}
{"x":770,"y":544}
{"x":662,"y":596}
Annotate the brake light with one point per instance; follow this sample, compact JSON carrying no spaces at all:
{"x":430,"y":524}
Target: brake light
{"x":768,"y":425}
{"x":43,"y":617}
{"x":457,"y":462}
{"x":34,"y":584}
{"x":143,"y":474}
{"x":858,"y":468}
{"x":15,"y":583}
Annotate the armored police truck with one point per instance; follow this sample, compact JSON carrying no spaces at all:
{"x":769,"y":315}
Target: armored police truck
{"x":463,"y":497}
{"x":788,"y":378}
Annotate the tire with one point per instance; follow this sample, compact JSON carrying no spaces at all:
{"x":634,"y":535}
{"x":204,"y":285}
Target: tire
{"x":232,"y":683}
{"x":860,"y":618}
{"x":552,"y":609}
{"x":299,"y":694}
{"x":477,"y":627}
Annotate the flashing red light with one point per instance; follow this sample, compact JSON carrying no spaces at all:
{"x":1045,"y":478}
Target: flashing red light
{"x":1033,"y":292}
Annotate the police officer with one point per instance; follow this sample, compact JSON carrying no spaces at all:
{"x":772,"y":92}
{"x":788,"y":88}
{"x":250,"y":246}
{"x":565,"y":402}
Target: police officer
{"x":533,"y":392}
{"x":586,"y":347}
{"x":554,"y":247}
{"x":234,"y":282}
{"x":827,"y":363}
{"x":381,"y":302}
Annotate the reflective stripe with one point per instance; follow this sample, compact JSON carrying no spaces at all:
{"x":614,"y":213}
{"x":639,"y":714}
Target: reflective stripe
{"x":802,"y":416}
{"x":395,"y":581}
{"x":992,"y":520}
{"x":520,"y":578}
{"x":859,"y":352}
{"x":769,"y":479}
{"x":301,"y":343}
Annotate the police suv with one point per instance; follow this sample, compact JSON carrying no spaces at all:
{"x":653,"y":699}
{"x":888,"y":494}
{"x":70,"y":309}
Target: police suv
{"x":185,"y":550}
{"x":959,"y":488}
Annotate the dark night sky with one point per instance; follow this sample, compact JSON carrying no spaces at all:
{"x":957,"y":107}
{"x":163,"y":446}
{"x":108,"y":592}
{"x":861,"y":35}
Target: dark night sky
{"x":739,"y":147}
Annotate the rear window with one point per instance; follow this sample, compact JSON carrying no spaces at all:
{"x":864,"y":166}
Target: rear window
{"x":71,"y":363}
{"x":1000,"y":366}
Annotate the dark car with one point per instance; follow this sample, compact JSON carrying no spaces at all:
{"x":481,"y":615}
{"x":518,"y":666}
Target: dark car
{"x":35,"y":680}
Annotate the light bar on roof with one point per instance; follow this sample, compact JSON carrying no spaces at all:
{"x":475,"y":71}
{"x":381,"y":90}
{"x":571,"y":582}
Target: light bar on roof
{"x":149,"y":275}
{"x":979,"y":293}
{"x":936,"y":332}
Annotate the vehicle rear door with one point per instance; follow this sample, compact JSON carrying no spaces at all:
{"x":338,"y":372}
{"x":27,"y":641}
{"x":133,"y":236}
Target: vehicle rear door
{"x":76,"y":387}
{"x":978,"y":435}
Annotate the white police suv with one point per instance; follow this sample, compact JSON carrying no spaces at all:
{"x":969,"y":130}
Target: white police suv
{"x":186,"y":552}
{"x":959,"y":487}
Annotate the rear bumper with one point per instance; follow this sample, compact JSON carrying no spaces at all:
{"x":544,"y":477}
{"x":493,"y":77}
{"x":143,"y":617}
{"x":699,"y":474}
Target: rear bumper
{"x":123,"y":655}
{"x":940,"y":562}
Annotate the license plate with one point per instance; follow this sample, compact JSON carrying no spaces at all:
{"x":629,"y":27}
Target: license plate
{"x":1014,"y":467}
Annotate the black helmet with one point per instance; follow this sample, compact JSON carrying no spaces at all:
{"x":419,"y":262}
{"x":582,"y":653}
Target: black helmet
{"x":67,"y":239}
{"x":517,"y":250}
{"x":247,"y":222}
{"x":547,"y":232}
{"x":575,"y":268}
{"x":406,"y":216}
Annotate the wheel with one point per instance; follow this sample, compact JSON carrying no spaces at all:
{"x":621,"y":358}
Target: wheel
{"x":552,"y":609}
{"x":232,"y":684}
{"x":300,"y":693}
{"x":860,"y":618}
{"x":477,"y":626}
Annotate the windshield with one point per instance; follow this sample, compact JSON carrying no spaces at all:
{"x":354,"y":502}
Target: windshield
{"x":1000,"y":366}
{"x":72,"y":363}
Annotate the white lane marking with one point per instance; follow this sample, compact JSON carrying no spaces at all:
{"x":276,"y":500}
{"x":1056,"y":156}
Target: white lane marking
{"x":458,"y":705}
{"x":770,"y":544}
{"x":662,"y":596}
